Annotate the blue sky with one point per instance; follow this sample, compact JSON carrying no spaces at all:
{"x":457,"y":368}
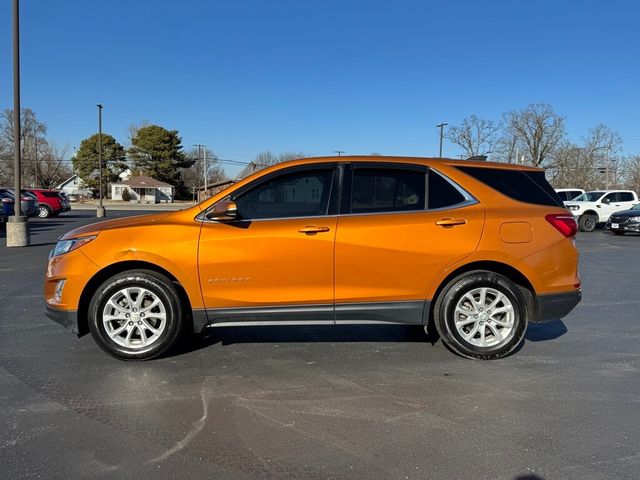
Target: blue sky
{"x":245,"y":76}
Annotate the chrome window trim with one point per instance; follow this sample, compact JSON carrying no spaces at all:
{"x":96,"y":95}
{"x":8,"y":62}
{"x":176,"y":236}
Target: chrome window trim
{"x":468,"y":201}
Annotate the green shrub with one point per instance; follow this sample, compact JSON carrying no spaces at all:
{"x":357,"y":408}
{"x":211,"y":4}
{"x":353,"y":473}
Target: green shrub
{"x":126,"y":195}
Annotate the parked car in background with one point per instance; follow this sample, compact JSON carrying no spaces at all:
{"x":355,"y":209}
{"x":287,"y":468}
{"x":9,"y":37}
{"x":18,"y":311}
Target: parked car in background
{"x":478,"y":248}
{"x":625,"y":221}
{"x":595,"y":207}
{"x":28,"y":203}
{"x":50,"y":203}
{"x":567,"y":194}
{"x":66,"y":201}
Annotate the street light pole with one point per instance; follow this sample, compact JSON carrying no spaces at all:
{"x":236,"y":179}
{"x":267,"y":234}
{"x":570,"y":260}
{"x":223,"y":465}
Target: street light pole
{"x":17,"y":226}
{"x":441,"y":127}
{"x":36,"y":158}
{"x":339,"y":152}
{"x":100,"y":210}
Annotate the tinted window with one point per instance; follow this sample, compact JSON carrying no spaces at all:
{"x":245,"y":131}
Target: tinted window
{"x":610,"y":198}
{"x":524,"y":186}
{"x":387,"y":190}
{"x":565,"y":195}
{"x":442,"y":193}
{"x":625,"y":197}
{"x":301,"y":194}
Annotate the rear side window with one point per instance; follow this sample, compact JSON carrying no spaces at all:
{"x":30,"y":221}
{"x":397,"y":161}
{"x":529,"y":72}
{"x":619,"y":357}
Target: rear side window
{"x":442,"y":194}
{"x":387,"y":190}
{"x":524,"y":186}
{"x":50,"y":194}
{"x":625,"y":197}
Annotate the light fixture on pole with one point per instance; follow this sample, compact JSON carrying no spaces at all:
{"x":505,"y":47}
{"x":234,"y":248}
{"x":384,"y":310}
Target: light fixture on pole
{"x":17,"y":225}
{"x":441,"y":127}
{"x":100,"y":211}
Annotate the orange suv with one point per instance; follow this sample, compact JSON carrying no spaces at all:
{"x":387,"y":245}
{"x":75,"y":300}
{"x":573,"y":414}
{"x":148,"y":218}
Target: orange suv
{"x":476,"y":249}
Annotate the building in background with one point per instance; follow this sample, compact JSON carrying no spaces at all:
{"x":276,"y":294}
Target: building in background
{"x":143,"y":189}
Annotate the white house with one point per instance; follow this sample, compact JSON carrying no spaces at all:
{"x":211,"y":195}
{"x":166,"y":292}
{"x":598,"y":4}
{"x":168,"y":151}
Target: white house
{"x":74,"y":186}
{"x":143,"y":189}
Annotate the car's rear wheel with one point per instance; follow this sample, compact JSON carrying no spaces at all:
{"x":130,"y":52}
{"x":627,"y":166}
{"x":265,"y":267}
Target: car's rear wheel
{"x":587,"y":222}
{"x":136,"y":315}
{"x":482,"y":315}
{"x":44,"y":211}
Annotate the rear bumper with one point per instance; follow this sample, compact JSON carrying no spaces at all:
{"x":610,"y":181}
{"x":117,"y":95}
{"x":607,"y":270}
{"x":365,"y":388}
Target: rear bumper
{"x":557,"y":305}
{"x":67,"y":318}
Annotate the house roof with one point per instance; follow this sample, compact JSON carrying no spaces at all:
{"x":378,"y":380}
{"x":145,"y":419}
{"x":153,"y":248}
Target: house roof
{"x":67,"y":180}
{"x":143,"y":181}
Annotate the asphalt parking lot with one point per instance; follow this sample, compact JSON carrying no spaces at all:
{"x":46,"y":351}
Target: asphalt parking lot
{"x":363,"y":402}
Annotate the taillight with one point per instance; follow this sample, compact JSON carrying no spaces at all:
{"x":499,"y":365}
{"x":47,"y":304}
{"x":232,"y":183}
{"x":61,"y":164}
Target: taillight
{"x":564,"y":223}
{"x":7,"y":200}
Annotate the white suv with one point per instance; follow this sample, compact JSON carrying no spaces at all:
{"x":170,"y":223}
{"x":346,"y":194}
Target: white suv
{"x":592,"y":208}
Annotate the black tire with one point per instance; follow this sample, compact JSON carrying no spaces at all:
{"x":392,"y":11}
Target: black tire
{"x":587,"y":222}
{"x":159,"y":286}
{"x":44,"y":211}
{"x":454,"y":292}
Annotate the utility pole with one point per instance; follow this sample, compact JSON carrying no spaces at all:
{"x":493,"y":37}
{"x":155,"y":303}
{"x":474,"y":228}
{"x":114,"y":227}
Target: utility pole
{"x":200,"y":147}
{"x":339,"y":152}
{"x":205,"y":168}
{"x":17,"y":226}
{"x":441,"y":127}
{"x":100,"y":211}
{"x":36,"y":158}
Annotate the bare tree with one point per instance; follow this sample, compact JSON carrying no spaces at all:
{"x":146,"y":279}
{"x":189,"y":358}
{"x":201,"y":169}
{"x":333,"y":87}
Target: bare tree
{"x":53,"y":167}
{"x":632,"y":173}
{"x":537,"y":129}
{"x":593,"y":164}
{"x":32,"y":135}
{"x":267,"y":159}
{"x":193,"y":177}
{"x":476,"y":136}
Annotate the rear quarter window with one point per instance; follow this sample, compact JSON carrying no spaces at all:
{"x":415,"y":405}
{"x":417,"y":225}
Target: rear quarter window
{"x":524,"y":186}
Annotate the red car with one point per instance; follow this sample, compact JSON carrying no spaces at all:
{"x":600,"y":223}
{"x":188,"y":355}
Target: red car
{"x":50,"y":202}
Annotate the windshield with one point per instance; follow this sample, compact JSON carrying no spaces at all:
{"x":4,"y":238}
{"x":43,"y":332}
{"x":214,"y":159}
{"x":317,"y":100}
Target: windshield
{"x":589,"y":197}
{"x":636,"y":207}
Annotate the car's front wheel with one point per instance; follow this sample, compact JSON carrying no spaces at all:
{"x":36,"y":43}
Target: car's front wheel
{"x":136,"y":315}
{"x":587,"y":222}
{"x":482,"y":315}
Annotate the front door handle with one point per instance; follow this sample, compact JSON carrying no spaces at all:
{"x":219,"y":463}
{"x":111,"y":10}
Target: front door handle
{"x":451,"y":222}
{"x":312,"y":229}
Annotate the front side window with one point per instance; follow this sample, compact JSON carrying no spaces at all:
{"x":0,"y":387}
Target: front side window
{"x":610,"y":198}
{"x":300,"y":194}
{"x":387,"y":190}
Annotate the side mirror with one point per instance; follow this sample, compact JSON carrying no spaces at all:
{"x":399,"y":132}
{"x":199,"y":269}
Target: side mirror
{"x":223,"y":211}
{"x":606,"y":201}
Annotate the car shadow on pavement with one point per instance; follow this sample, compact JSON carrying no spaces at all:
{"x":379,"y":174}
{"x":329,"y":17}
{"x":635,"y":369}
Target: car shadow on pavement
{"x":541,"y":332}
{"x":304,"y":334}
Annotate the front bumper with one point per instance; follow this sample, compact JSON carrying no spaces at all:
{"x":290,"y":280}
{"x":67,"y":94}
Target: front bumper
{"x":67,"y":318}
{"x":624,"y":226}
{"x":557,"y":305}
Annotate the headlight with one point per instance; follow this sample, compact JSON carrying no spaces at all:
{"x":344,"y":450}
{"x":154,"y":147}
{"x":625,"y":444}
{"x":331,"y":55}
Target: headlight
{"x":634,"y":219}
{"x":573,"y":207}
{"x":65,"y":246}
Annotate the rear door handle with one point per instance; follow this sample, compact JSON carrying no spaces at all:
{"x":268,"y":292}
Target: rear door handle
{"x":311,"y":229}
{"x":451,"y":222}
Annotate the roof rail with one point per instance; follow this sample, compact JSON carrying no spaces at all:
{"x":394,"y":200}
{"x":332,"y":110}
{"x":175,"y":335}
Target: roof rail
{"x":479,"y":158}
